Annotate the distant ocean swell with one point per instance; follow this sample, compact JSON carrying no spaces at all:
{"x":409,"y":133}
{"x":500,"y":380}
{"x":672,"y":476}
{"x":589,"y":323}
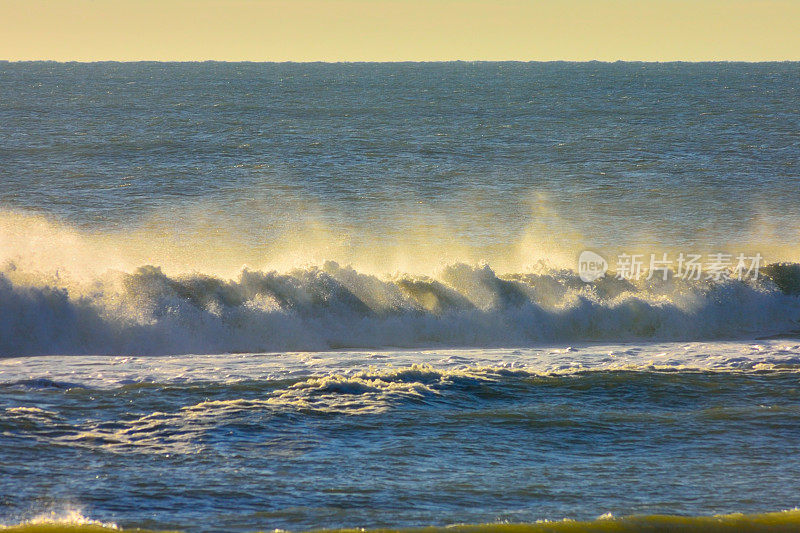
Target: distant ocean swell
{"x":333,"y":307}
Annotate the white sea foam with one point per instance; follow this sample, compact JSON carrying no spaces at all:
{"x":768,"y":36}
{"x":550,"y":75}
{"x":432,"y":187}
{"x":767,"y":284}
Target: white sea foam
{"x":332,"y":307}
{"x":71,"y":517}
{"x":298,"y":371}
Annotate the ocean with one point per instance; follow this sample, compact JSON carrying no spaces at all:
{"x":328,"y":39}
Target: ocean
{"x":504,"y":296}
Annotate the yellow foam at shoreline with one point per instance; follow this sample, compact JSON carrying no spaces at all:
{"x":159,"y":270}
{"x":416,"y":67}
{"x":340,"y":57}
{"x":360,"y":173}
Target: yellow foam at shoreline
{"x":788,"y":521}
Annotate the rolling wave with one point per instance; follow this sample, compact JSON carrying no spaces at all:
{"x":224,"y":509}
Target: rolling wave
{"x":481,"y":392}
{"x":335,"y":307}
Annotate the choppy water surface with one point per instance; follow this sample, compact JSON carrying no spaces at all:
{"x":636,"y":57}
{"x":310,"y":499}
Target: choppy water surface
{"x":393,"y":439}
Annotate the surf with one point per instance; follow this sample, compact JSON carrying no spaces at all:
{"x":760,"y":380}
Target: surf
{"x":775,"y":522}
{"x":330,"y":306}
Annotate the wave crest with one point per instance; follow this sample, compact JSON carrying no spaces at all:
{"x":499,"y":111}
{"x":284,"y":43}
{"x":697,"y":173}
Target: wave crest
{"x":331,"y":307}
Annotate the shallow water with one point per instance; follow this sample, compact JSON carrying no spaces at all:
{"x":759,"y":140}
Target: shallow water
{"x":400,"y":439}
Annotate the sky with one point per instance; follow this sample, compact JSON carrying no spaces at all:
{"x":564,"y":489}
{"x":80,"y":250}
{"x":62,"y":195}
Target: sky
{"x":399,"y":30}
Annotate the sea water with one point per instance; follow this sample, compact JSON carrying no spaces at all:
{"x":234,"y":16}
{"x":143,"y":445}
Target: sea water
{"x":254,"y":296}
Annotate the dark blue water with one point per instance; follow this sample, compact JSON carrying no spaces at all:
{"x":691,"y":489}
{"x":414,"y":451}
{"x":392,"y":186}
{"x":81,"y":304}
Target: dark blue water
{"x":402,"y":448}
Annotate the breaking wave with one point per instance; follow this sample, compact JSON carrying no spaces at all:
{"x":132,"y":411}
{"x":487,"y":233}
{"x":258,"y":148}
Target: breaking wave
{"x":333,"y":307}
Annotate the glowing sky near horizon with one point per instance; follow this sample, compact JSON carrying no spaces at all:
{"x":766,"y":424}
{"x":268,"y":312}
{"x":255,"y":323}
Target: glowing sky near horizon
{"x":395,"y":30}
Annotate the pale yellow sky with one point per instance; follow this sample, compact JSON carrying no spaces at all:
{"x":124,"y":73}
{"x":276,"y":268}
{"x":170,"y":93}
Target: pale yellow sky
{"x":398,"y":30}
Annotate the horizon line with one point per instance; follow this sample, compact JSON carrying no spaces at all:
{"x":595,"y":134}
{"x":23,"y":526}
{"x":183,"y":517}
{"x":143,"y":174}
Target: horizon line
{"x":399,"y":61}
